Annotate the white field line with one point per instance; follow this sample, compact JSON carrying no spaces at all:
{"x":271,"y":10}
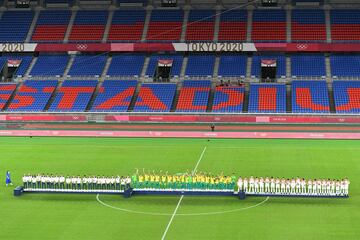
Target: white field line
{"x":182,"y":196}
{"x":179,"y":214}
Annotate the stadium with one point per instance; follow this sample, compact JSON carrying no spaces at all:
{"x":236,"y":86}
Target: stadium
{"x":179,"y":119}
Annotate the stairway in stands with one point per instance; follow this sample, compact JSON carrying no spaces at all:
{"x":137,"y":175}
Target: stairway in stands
{"x":246,"y":98}
{"x":331,"y":98}
{"x":134,"y":97}
{"x":12,"y":96}
{"x":52,"y":98}
{"x":176,"y":97}
{"x":288,"y":98}
{"x":211,"y":97}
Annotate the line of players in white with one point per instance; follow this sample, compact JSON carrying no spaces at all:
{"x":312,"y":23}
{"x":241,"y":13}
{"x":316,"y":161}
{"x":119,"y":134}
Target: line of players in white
{"x":39,"y":181}
{"x":294,"y":186}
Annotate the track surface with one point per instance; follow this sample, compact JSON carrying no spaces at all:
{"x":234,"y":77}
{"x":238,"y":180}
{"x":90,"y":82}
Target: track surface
{"x":188,"y":127}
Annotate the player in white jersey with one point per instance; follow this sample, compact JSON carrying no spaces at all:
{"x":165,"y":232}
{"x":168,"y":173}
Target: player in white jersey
{"x":319,"y":186}
{"x":240,"y":184}
{"x":309,"y":187}
{"x":303,"y":186}
{"x":328,"y":186}
{"x":117,"y":181}
{"x":282,"y":186}
{"x":332,"y":187}
{"x":261,"y":185}
{"x":251,"y":184}
{"x":346,"y":186}
{"x":245,"y":184}
{"x":292,"y":186}
{"x":267,"y":184}
{"x":57,"y":182}
{"x":256,"y":185}
{"x":277,"y":186}
{"x":323,"y":187}
{"x":298,"y":185}
{"x":287,"y":186}
{"x":68,"y":182}
{"x":337,"y":187}
{"x":62,"y":182}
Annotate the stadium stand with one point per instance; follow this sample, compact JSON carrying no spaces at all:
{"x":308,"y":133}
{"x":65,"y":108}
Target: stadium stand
{"x":73,"y":96}
{"x":194,"y":96}
{"x":126,"y":65}
{"x":6,"y":90}
{"x":345,"y":65}
{"x":267,"y":98}
{"x":175,"y":69}
{"x":308,"y":65}
{"x":200,"y":25}
{"x":269,"y":25}
{"x":14,"y":25}
{"x":33,"y":95}
{"x":347,"y":96}
{"x":165,"y":25}
{"x":88,"y":65}
{"x":308,"y":25}
{"x":89,"y":26}
{"x":310,"y":97}
{"x":233,"y":25}
{"x":114,"y":96}
{"x":232,"y":65}
{"x":280,"y":61}
{"x":155,"y":97}
{"x":200,"y":65}
{"x":345,"y":25}
{"x":127,"y":25}
{"x":228,"y":99}
{"x":50,"y":65}
{"x":51,"y":26}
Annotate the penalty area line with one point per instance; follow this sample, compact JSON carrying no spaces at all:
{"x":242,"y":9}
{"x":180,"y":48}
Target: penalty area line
{"x":182,"y":196}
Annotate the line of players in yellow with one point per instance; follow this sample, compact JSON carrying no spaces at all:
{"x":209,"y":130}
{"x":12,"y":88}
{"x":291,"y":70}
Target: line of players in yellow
{"x":183,"y":181}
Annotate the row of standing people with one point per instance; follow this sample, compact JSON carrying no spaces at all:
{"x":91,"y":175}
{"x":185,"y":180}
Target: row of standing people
{"x":48,"y":181}
{"x":293,"y":186}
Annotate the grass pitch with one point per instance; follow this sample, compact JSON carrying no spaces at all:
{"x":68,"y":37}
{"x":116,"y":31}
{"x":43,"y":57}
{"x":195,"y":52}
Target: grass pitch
{"x":46,"y":216}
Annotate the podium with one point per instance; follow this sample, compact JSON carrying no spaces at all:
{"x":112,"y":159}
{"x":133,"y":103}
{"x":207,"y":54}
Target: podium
{"x":241,"y":195}
{"x":128,"y":192}
{"x":18,"y":191}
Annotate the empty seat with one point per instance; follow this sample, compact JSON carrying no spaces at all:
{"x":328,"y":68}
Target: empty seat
{"x":347,"y":96}
{"x":15,"y":25}
{"x":308,"y":25}
{"x":200,"y":25}
{"x":127,"y":25}
{"x":126,"y":65}
{"x":88,"y":65}
{"x":310,"y":97}
{"x":308,"y":65}
{"x":194,"y":96}
{"x":114,"y":96}
{"x":269,"y":25}
{"x":200,"y":65}
{"x":228,"y":99}
{"x":51,"y":25}
{"x":165,"y":25}
{"x":155,"y":97}
{"x":267,"y":98}
{"x":233,"y":25}
{"x":73,"y":96}
{"x":88,"y":26}
{"x":33,"y":96}
{"x":50,"y":65}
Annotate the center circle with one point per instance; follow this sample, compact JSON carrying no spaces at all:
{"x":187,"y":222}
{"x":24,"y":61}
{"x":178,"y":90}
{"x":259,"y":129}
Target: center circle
{"x":179,"y":214}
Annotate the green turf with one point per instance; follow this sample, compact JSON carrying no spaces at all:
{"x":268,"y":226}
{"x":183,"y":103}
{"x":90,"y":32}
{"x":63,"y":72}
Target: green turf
{"x":46,"y":216}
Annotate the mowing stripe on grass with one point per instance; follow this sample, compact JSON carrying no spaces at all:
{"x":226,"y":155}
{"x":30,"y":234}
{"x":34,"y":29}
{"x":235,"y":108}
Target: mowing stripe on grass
{"x":182,"y":196}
